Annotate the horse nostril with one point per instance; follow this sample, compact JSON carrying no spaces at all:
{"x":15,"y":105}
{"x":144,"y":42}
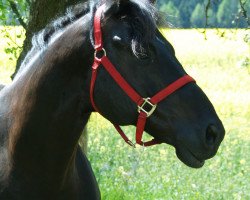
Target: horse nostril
{"x":212,"y":134}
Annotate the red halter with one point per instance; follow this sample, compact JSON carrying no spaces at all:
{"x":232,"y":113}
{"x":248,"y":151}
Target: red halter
{"x":140,"y":102}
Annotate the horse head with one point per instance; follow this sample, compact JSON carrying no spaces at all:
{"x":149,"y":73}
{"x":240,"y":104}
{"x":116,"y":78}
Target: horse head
{"x":146,"y":60}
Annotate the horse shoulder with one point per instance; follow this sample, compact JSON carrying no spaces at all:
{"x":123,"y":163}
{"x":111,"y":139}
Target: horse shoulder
{"x":86,"y":175}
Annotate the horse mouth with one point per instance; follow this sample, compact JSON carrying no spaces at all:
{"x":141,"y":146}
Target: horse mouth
{"x":188,"y":158}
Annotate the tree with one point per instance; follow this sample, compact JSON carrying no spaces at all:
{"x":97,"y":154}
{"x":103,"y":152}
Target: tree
{"x":227,"y":12}
{"x":223,"y":13}
{"x":12,"y":13}
{"x":186,"y":8}
{"x":198,"y":16}
{"x":7,"y":18}
{"x":41,"y":12}
{"x":173,"y":14}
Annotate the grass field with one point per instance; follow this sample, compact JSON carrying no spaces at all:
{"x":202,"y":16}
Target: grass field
{"x":155,"y":173}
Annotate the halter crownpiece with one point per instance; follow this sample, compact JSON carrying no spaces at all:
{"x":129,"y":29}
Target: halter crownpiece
{"x":146,"y":106}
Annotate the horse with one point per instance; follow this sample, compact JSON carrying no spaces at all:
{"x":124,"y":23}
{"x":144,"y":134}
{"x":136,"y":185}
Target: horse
{"x":1,"y":86}
{"x":102,"y":56}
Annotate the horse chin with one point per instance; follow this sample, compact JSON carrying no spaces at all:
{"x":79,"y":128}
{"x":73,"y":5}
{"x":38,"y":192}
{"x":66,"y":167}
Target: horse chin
{"x":188,"y":158}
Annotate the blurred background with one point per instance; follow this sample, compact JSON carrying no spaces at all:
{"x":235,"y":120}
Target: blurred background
{"x":212,"y":41}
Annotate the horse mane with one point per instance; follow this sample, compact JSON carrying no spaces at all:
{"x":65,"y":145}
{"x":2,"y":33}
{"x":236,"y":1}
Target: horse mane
{"x":73,"y":13}
{"x":142,"y":14}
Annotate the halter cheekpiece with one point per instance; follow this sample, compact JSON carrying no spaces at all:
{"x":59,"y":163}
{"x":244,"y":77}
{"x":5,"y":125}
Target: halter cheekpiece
{"x":146,"y":106}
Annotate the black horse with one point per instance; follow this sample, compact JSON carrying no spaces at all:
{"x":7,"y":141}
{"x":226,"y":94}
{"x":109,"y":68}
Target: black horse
{"x":44,"y":110}
{"x":1,"y":86}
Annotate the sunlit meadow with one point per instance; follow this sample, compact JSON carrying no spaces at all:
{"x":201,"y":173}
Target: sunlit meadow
{"x":155,"y":173}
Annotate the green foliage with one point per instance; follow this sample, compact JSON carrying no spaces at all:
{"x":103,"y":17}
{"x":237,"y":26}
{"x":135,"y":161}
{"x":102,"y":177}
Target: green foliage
{"x":186,"y":8}
{"x":13,"y":37}
{"x":198,"y":17}
{"x":10,"y":47}
{"x":8,"y":17}
{"x":192,"y":13}
{"x":211,"y":18}
{"x":173,"y":15}
{"x":227,"y":12}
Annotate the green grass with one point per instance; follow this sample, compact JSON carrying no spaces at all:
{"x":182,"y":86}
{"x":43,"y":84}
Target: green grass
{"x":155,"y":173}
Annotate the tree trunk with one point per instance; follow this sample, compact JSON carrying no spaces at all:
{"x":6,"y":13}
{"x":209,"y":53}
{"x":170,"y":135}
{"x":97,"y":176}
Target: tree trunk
{"x":42,"y":12}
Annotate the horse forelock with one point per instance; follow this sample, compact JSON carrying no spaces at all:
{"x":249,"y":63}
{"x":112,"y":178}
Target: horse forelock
{"x":142,"y":17}
{"x":143,"y":22}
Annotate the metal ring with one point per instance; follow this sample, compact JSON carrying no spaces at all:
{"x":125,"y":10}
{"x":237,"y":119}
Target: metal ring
{"x":104,"y":53}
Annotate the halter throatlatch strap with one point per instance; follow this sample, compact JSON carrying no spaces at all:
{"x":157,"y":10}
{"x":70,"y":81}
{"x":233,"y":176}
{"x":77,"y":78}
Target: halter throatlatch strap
{"x":142,"y":103}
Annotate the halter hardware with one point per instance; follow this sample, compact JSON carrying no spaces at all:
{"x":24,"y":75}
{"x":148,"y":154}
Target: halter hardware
{"x":129,"y":142}
{"x":102,"y":52}
{"x":147,"y":104}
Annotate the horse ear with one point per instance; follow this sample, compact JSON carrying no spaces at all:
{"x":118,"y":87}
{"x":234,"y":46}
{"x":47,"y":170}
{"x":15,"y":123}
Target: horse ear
{"x":122,"y":1}
{"x":110,"y":8}
{"x":113,"y":6}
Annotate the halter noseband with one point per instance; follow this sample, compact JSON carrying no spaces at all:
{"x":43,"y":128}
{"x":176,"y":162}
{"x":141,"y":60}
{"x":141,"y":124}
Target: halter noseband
{"x":142,"y":103}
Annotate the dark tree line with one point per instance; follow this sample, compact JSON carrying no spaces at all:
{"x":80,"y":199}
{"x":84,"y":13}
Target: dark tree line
{"x":209,"y":13}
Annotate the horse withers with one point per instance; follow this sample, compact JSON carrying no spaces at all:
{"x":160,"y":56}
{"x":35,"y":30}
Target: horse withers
{"x":44,"y":110}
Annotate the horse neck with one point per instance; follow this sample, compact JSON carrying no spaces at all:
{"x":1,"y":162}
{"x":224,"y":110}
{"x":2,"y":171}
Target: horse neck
{"x":1,"y":86}
{"x":50,"y":107}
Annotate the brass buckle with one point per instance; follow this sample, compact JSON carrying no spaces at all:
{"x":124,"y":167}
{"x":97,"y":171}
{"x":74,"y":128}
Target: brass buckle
{"x":147,"y":102}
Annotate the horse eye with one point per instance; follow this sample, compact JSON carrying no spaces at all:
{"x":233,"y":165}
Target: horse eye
{"x":117,"y":39}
